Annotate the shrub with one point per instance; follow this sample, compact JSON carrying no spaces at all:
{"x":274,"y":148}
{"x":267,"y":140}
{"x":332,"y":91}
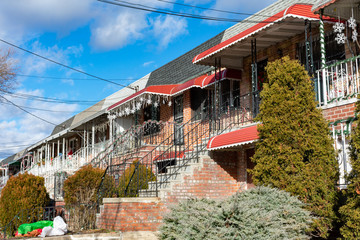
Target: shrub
{"x":350,"y":212}
{"x":25,"y":193}
{"x":81,"y":196}
{"x":295,"y":152}
{"x":83,"y":186}
{"x":259,"y":213}
{"x":140,"y":177}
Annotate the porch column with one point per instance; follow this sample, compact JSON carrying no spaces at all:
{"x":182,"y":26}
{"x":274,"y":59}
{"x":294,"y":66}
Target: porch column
{"x":63,"y":150}
{"x":58,"y":148}
{"x":111,"y":129}
{"x":53,"y":150}
{"x":87,"y":142}
{"x":84,"y":151}
{"x":323,"y":56}
{"x":93,"y":139}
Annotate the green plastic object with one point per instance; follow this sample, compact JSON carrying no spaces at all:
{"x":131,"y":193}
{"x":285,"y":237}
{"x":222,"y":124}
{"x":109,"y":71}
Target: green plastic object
{"x":28,"y":227}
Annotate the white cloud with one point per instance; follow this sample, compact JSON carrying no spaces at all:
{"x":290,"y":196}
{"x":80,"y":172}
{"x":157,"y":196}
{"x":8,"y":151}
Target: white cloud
{"x":113,"y":32}
{"x":30,"y":17}
{"x":34,"y":64}
{"x":145,"y":64}
{"x":18,"y":128}
{"x":166,"y":29}
{"x":240,"y":6}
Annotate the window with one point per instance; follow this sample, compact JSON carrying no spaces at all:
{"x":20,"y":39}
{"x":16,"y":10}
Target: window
{"x":333,"y":50}
{"x":236,"y":94}
{"x":151,"y":113}
{"x":199,"y":103}
{"x":178,"y":108}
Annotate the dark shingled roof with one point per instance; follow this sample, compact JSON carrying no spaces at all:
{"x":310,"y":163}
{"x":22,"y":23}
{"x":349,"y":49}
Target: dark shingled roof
{"x":62,"y":126}
{"x":182,"y":68}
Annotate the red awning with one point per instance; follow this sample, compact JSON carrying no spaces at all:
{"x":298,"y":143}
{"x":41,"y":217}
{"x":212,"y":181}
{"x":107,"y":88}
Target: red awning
{"x":297,"y":11}
{"x":206,"y":80}
{"x":169,"y":156}
{"x":164,"y":90}
{"x":235,"y":138}
{"x":173,"y":89}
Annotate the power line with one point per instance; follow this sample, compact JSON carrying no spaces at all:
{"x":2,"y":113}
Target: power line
{"x":63,"y":65}
{"x":212,"y":9}
{"x":80,"y":79}
{"x":168,"y":12}
{"x":28,"y":111}
{"x":57,"y":100}
{"x":174,"y":13}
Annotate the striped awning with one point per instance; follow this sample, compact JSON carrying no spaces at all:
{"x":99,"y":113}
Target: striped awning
{"x":232,"y":139}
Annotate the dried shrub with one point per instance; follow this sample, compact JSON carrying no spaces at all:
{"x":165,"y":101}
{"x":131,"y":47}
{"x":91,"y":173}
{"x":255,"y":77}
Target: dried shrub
{"x":82,"y":192}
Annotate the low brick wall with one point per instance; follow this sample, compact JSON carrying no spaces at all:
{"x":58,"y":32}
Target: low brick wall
{"x":131,"y":214}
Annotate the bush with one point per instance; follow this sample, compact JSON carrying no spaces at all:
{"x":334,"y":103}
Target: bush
{"x":83,"y":186}
{"x":81,"y":196}
{"x":25,"y":193}
{"x":140,"y":179}
{"x":295,"y":151}
{"x":350,"y":212}
{"x":259,"y":213}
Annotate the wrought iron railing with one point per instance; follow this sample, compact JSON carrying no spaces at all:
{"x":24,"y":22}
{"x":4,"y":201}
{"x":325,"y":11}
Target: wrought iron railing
{"x":183,"y":143}
{"x":337,"y":82}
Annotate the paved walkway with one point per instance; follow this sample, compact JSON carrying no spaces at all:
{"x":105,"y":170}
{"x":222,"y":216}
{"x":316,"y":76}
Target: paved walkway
{"x":143,"y":235}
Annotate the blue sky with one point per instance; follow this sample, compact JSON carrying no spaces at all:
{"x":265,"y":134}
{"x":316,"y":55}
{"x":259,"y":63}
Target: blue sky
{"x":108,"y":41}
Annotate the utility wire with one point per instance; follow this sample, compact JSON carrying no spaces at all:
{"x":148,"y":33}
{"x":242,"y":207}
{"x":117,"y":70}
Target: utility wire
{"x":63,"y":65}
{"x":168,"y":12}
{"x":174,"y":13}
{"x":81,"y":79}
{"x":57,"y":100}
{"x":212,"y":9}
{"x":28,"y":111}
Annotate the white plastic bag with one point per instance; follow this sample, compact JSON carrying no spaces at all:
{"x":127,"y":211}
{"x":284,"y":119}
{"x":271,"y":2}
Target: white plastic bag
{"x":60,"y":228}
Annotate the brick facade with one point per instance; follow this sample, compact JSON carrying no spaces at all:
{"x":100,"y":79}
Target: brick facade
{"x":130,"y":214}
{"x":334,"y":113}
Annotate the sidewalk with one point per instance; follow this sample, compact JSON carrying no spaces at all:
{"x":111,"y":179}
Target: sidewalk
{"x":143,"y":235}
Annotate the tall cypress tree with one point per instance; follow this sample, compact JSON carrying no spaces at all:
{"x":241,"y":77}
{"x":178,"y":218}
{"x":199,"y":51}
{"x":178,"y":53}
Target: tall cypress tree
{"x":350,"y":212}
{"x":295,"y":151}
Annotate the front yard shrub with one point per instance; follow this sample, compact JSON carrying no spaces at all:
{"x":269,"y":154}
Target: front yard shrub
{"x":295,"y":151}
{"x":259,"y":213}
{"x":137,"y":176}
{"x":82,"y":193}
{"x":24,"y":194}
{"x":350,"y":212}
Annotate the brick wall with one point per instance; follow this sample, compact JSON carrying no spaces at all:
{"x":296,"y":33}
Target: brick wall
{"x":130,"y":214}
{"x":339,"y":112}
{"x":218,"y":177}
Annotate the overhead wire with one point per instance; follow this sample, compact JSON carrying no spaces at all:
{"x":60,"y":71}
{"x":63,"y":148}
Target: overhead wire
{"x":143,"y":7}
{"x":212,"y":9}
{"x":42,"y":119}
{"x":63,"y":65}
{"x":68,"y":78}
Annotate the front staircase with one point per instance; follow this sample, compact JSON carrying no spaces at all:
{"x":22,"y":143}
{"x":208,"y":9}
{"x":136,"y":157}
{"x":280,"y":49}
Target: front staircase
{"x":171,"y":156}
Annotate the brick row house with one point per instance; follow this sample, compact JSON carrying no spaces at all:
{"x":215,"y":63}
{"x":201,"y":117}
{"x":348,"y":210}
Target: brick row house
{"x":191,"y":120}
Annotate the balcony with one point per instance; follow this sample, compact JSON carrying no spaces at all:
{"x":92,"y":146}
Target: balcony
{"x":337,"y":83}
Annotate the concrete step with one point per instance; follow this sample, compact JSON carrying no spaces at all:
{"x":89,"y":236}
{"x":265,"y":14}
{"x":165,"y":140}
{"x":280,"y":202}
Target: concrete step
{"x":147,"y":193}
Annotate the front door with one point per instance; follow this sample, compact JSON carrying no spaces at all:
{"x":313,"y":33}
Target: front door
{"x":178,"y":119}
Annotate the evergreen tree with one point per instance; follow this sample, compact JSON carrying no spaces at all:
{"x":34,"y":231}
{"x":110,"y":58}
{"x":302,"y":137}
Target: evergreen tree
{"x":350,"y":212}
{"x":295,"y":151}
